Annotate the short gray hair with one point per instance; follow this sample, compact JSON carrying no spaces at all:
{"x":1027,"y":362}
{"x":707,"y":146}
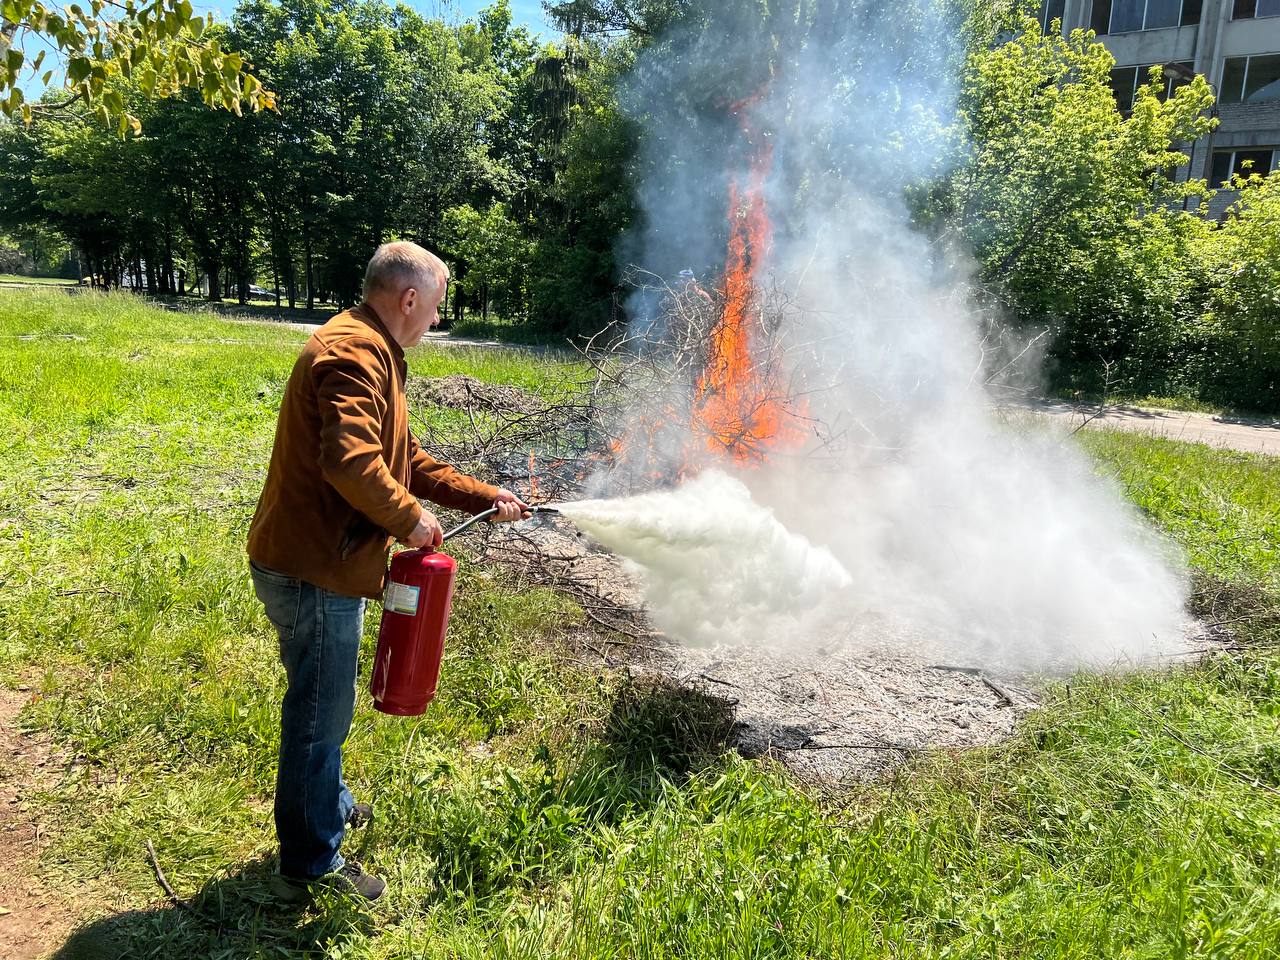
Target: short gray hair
{"x":401,"y":264}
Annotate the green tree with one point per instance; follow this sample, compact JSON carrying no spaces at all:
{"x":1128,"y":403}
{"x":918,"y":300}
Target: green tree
{"x":384,"y":125}
{"x":203,"y":177}
{"x":586,"y":201}
{"x":495,"y":254}
{"x":1243,"y":368}
{"x":501,"y":58}
{"x":64,"y":175}
{"x":641,"y":20}
{"x":1074,"y":209}
{"x":386,"y":121}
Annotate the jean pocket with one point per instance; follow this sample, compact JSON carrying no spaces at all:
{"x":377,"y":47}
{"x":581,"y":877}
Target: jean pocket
{"x":266,"y":573}
{"x":281,"y":597}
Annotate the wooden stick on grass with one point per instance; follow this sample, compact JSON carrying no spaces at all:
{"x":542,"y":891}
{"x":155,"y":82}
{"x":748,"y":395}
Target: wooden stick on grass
{"x":176,"y":900}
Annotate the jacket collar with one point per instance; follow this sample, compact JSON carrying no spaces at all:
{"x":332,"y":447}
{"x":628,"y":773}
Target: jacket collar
{"x":370,"y":316}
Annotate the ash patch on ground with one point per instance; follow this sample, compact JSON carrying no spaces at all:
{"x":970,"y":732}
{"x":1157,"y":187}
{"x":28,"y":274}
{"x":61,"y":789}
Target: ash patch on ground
{"x":461,"y":392}
{"x":848,"y":710}
{"x":846,"y":713}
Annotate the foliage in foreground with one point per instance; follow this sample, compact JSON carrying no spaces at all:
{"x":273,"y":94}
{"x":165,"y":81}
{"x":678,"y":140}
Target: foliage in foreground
{"x":163,"y":42}
{"x":536,"y":810}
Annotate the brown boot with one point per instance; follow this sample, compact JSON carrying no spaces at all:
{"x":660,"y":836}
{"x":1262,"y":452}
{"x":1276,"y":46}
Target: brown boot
{"x":351,"y":879}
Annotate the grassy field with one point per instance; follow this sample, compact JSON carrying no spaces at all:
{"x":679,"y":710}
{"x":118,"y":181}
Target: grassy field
{"x":537,"y":810}
{"x":37,"y":281}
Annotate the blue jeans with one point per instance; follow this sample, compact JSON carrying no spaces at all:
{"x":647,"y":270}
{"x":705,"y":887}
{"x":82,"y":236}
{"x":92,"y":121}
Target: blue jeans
{"x":319,"y":646}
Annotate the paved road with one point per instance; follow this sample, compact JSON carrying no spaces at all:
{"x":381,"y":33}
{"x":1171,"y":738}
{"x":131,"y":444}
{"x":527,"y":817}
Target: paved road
{"x":1250,"y":436}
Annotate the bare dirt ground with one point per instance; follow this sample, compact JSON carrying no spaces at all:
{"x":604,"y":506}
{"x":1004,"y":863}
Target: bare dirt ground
{"x":33,"y":918}
{"x":466,"y":392}
{"x":1248,"y":436}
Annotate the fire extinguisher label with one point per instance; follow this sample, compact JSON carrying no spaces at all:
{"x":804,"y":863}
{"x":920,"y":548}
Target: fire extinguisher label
{"x":401,"y":598}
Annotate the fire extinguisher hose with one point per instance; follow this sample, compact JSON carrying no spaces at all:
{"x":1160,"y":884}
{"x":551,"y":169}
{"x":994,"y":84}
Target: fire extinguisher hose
{"x":486,"y":515}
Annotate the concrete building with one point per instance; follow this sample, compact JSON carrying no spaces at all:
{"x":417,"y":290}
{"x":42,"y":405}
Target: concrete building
{"x":1235,"y":44}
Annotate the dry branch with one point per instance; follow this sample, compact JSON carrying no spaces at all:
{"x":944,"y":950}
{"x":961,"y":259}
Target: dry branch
{"x":169,"y":892}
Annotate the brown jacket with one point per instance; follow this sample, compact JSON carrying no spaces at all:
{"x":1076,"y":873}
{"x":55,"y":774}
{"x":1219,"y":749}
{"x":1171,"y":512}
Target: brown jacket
{"x":345,"y":472}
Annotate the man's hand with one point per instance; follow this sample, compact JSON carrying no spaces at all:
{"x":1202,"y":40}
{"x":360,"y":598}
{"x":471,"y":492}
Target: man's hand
{"x":426,"y":534}
{"x":510,"y":508}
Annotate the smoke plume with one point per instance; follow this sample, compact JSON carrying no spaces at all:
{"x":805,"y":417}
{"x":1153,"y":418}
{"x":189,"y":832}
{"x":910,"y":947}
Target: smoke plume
{"x":995,"y":542}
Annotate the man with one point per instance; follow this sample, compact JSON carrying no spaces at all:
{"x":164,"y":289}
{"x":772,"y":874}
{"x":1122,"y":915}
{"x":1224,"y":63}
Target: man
{"x":344,"y":482}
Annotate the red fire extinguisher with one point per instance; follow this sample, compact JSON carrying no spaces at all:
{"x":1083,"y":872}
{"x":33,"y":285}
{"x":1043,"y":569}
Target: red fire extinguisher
{"x":415,"y":616}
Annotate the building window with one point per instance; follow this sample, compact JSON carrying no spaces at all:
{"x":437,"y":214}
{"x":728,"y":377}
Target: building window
{"x":1125,"y":82}
{"x":1051,"y":10}
{"x":1249,"y":9}
{"x":1100,"y":18}
{"x":1250,"y":79}
{"x":1230,"y":163}
{"x":1127,"y":16}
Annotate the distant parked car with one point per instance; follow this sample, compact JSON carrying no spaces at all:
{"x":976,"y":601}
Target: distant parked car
{"x":261,"y":293}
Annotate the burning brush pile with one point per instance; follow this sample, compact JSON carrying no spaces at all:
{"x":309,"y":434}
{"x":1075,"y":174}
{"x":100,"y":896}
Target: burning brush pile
{"x":680,"y":572}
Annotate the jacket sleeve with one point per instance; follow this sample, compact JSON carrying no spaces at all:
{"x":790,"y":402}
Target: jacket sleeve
{"x":350,"y":380}
{"x":442,"y":483}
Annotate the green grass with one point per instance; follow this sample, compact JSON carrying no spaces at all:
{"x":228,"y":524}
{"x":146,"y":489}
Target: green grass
{"x":1180,"y":404}
{"x":1222,"y":506}
{"x":537,"y":810}
{"x":41,"y":281}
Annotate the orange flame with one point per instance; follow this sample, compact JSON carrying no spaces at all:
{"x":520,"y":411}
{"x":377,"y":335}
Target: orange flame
{"x":739,"y":407}
{"x":533,"y":478}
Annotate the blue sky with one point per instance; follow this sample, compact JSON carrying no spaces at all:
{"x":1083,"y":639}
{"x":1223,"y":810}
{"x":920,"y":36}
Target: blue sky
{"x":527,"y":12}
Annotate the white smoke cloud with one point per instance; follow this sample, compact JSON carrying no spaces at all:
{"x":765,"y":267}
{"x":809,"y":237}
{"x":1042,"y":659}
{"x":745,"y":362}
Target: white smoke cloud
{"x":995,"y":543}
{"x":716,"y":566}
